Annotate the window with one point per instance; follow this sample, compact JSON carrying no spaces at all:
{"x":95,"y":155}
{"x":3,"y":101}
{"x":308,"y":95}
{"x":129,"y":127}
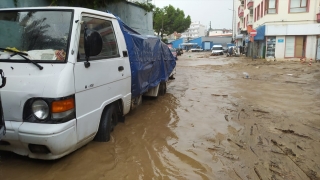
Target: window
{"x":295,"y":46}
{"x":109,"y":42}
{"x":299,"y":5}
{"x":271,"y":46}
{"x":255,"y":14}
{"x":247,"y":19}
{"x":261,"y":9}
{"x":258,"y":12}
{"x":271,"y":6}
{"x":245,"y":4}
{"x":244,"y":22}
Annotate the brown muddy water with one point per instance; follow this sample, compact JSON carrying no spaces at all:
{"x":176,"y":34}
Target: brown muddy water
{"x":211,"y":124}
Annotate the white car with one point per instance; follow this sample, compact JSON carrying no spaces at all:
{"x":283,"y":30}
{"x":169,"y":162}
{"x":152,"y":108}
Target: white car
{"x":198,"y":49}
{"x":217,"y":50}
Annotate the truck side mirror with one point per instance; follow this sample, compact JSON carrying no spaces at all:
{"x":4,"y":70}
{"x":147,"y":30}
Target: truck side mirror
{"x":92,"y":44}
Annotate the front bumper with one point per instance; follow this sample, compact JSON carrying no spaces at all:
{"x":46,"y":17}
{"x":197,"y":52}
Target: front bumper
{"x":60,"y":139}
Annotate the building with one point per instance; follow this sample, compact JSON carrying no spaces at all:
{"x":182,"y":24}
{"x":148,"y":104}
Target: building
{"x":220,"y":32}
{"x":203,"y":42}
{"x":286,"y":29}
{"x":130,"y":13}
{"x":194,"y":31}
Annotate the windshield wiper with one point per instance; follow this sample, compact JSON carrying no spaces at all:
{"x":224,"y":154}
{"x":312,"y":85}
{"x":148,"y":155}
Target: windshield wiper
{"x":23,"y":56}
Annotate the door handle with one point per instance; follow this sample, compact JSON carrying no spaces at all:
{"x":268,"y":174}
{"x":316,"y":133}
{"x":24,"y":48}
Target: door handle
{"x":120,"y":68}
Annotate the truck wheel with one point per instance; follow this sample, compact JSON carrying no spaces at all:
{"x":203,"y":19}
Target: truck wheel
{"x":162,"y":88}
{"x":108,"y":121}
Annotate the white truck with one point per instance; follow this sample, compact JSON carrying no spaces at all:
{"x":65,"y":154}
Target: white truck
{"x":72,"y":74}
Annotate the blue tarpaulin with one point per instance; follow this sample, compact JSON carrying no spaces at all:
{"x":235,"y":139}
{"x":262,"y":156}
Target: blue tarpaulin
{"x":261,"y":31}
{"x":151,"y":60}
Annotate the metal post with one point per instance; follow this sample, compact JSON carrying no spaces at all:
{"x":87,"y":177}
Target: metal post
{"x":252,"y":50}
{"x":233,"y":19}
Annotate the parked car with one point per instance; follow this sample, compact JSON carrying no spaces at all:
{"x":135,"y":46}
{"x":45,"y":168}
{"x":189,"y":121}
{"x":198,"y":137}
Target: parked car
{"x":217,"y":50}
{"x":174,"y":53}
{"x":197,"y":49}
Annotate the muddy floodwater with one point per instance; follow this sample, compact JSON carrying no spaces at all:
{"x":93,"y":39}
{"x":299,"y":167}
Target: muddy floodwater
{"x":214,"y":123}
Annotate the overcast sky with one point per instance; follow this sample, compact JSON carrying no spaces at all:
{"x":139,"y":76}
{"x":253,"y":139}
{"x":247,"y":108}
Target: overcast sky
{"x":204,"y":11}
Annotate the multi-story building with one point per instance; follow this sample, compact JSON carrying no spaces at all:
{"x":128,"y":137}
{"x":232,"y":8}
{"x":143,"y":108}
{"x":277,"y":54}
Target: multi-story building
{"x":286,"y":29}
{"x":220,"y":32}
{"x":194,"y":31}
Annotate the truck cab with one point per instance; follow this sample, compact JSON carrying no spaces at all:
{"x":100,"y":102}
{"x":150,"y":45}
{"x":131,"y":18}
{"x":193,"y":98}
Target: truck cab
{"x":68,"y":69}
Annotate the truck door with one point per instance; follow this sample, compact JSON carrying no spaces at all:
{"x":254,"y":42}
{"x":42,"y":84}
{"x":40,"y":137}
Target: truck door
{"x":105,"y":80}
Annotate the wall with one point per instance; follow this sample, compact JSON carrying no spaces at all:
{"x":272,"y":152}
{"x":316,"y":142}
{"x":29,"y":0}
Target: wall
{"x":311,"y":47}
{"x":280,"y":48}
{"x":176,"y":43}
{"x":198,"y":41}
{"x":293,"y":29}
{"x":284,"y":16}
{"x":134,"y":16}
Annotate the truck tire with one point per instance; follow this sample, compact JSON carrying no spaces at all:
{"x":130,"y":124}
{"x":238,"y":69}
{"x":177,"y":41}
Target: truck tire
{"x":162,"y":88}
{"x":108,"y":121}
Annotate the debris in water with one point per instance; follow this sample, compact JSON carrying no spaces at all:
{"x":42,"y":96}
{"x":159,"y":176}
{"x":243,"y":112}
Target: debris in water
{"x":261,"y":111}
{"x":292,"y":132}
{"x":226,"y":117}
{"x":257,"y":172}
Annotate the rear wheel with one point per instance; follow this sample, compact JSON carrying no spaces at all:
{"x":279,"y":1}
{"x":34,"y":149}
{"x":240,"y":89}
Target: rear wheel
{"x":108,"y":121}
{"x":162,"y":88}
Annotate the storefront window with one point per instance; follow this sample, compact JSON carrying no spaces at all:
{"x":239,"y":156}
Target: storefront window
{"x":271,"y":47}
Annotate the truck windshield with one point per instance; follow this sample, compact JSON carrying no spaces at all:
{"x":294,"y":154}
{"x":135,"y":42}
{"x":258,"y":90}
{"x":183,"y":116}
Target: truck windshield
{"x":41,"y":35}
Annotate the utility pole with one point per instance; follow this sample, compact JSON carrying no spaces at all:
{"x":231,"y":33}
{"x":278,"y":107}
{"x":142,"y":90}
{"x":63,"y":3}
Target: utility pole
{"x":233,"y":29}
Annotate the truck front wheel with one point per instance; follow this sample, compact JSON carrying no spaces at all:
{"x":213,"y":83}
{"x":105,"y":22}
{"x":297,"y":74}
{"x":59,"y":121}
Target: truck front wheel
{"x":108,"y":121}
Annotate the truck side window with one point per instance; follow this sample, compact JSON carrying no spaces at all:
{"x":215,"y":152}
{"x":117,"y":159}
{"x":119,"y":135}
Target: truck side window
{"x":105,"y":28}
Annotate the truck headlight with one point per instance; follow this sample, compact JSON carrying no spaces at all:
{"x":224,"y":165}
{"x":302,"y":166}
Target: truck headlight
{"x":49,"y":110}
{"x":40,"y":109}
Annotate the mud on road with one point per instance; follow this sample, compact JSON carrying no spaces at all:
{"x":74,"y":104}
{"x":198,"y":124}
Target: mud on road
{"x":213,"y":123}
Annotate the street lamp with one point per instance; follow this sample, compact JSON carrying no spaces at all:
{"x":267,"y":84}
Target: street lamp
{"x":162,"y":24}
{"x":233,"y":22}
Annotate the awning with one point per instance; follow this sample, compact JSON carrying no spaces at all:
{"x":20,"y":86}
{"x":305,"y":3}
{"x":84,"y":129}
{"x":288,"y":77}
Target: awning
{"x":240,"y":36}
{"x":261,"y":31}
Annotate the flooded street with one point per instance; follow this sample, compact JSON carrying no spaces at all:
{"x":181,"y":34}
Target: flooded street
{"x":212,"y":124}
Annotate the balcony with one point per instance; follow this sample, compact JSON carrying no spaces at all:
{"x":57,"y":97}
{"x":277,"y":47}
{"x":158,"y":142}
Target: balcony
{"x":240,"y":11}
{"x":250,"y":4}
{"x":250,"y":22}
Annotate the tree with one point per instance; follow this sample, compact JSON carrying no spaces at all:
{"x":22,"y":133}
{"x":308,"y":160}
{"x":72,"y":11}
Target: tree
{"x":167,"y":20}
